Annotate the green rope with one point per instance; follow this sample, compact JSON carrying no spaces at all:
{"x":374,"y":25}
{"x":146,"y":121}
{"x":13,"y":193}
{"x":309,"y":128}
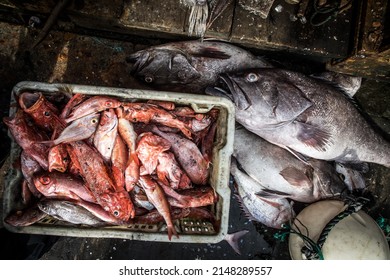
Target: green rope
{"x":309,"y":243}
{"x":353,"y":207}
{"x":383,"y":223}
{"x":350,"y":210}
{"x":332,"y":10}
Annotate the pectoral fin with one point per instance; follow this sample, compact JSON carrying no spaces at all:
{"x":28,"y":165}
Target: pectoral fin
{"x":295,"y":177}
{"x":313,"y":136}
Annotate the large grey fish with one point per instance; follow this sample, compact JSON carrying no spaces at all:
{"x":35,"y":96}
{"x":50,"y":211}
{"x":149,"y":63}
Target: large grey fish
{"x":281,"y":173}
{"x":305,"y":115}
{"x":271,"y":211}
{"x":190,"y":66}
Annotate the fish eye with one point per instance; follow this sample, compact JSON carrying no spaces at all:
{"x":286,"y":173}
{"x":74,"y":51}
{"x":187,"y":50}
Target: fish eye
{"x":45,"y":180}
{"x":109,"y":104}
{"x":252,"y":77}
{"x":47,"y":114}
{"x":148,"y":79}
{"x":116,"y":213}
{"x":94,"y":121}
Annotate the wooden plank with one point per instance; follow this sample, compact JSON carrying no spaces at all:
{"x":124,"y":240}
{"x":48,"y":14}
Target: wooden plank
{"x":168,"y":19}
{"x":171,"y":17}
{"x":160,"y":16}
{"x":372,"y":66}
{"x":282,"y":31}
{"x":222,"y":25}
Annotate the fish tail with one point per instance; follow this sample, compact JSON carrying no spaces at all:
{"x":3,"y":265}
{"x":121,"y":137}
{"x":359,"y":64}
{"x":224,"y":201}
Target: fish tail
{"x":232,"y":239}
{"x":172,"y":231}
{"x":135,"y":158}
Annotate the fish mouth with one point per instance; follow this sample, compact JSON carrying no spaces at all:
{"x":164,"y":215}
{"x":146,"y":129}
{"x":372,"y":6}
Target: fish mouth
{"x":27,"y":100}
{"x":232,"y":90}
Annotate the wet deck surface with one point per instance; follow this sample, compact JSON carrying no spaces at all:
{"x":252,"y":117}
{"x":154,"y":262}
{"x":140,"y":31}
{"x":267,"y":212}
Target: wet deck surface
{"x":71,"y":58}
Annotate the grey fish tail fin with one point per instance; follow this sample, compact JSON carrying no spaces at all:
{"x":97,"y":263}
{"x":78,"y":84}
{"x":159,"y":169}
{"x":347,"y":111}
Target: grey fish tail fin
{"x":233,"y":238}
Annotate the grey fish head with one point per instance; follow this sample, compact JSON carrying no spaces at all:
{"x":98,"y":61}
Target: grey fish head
{"x":47,"y":206}
{"x":326,"y":181}
{"x":262,"y":93}
{"x":159,"y":67}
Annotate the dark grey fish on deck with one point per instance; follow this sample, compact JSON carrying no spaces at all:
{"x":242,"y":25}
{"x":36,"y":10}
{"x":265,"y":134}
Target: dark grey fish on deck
{"x":190,"y":66}
{"x":283,"y":174}
{"x":304,"y":115}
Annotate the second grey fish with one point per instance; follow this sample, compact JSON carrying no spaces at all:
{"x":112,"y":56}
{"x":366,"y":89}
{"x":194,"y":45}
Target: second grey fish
{"x":283,"y":174}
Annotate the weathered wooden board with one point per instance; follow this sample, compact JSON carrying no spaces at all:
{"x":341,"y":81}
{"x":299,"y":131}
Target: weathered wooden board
{"x":283,"y":31}
{"x":168,"y":19}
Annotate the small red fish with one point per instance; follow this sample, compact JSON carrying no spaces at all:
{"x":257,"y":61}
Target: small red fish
{"x":58,"y":158}
{"x":188,"y":155}
{"x":119,"y":160}
{"x":157,"y":198}
{"x":97,"y":177}
{"x":25,"y":217}
{"x":126,"y":130}
{"x":106,"y":132}
{"x":167,"y":105}
{"x":92,"y":105}
{"x":29,"y":167}
{"x":73,"y":102}
{"x":168,"y":170}
{"x":149,"y":147}
{"x":43,"y":112}
{"x":62,"y":185}
{"x":142,"y":112}
{"x":198,"y":197}
{"x":28,"y":138}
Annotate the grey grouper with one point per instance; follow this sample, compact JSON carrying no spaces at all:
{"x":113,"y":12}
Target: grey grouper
{"x":281,"y":173}
{"x":304,"y":115}
{"x":190,"y":66}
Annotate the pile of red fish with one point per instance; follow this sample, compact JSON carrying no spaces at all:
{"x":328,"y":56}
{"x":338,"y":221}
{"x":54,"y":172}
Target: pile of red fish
{"x":123,"y":162}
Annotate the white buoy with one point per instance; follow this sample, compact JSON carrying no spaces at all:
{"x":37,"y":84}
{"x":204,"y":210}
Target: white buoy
{"x":355,"y":237}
